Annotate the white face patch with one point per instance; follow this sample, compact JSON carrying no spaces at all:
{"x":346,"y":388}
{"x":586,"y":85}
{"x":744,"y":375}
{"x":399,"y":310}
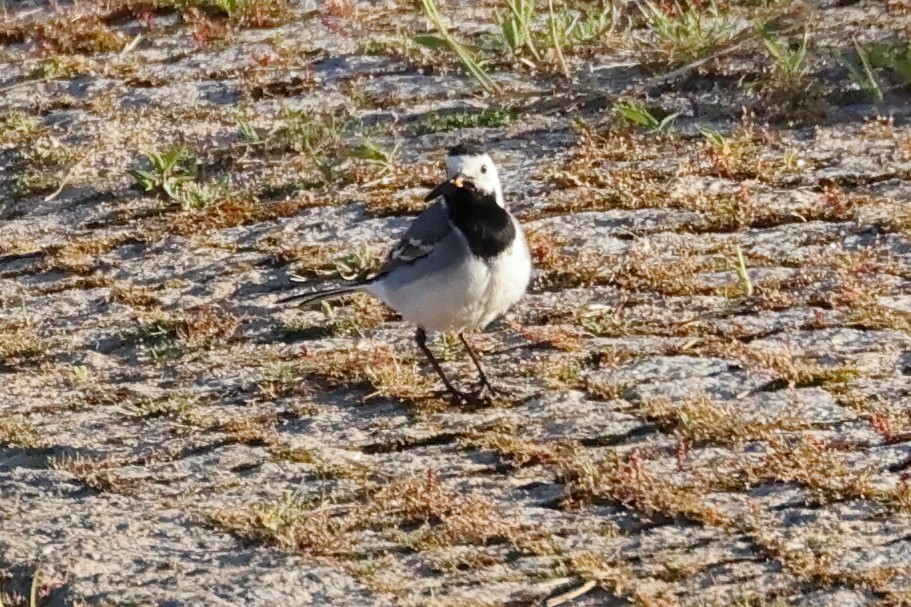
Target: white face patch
{"x":480,"y":170}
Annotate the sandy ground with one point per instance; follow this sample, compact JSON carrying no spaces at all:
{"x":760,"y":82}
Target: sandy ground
{"x":677,"y":434}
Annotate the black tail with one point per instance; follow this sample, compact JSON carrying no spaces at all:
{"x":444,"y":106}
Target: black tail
{"x":306,"y":298}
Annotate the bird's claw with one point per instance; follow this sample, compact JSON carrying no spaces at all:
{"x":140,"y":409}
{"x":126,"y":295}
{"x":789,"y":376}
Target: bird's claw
{"x":472,"y":400}
{"x":486,"y":386}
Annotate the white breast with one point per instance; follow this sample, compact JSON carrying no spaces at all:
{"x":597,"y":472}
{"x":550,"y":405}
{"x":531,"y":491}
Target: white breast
{"x":469,"y":295}
{"x":510,"y":273}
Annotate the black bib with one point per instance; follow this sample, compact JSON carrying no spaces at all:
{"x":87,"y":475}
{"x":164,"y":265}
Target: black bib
{"x":486,"y":225}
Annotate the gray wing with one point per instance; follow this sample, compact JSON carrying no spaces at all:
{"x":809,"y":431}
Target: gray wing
{"x":428,"y":228}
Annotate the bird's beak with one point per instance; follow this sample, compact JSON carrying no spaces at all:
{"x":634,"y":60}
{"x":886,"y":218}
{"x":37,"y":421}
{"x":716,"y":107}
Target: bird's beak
{"x":446,"y":188}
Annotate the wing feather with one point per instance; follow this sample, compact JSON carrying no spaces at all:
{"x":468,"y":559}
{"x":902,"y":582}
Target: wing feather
{"x":428,"y":228}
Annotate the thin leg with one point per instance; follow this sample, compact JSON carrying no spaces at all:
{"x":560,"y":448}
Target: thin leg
{"x":421,"y":338}
{"x":485,"y":383}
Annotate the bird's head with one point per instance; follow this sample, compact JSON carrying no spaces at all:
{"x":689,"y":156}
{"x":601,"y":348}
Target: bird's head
{"x":469,"y":167}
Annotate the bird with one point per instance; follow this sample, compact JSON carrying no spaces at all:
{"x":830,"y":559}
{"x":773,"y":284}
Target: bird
{"x":462,"y":263}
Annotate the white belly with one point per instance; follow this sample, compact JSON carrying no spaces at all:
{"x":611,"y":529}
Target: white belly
{"x":470,"y":295}
{"x":509,"y":275}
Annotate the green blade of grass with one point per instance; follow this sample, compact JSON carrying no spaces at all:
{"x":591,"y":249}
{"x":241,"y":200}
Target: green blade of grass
{"x":743,"y":276}
{"x":33,"y":592}
{"x":868,"y":72}
{"x":433,"y":13}
{"x":553,"y":32}
{"x":522,"y":16}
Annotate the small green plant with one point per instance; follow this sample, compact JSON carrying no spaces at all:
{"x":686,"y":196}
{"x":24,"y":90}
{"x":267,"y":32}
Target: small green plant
{"x":450,"y":121}
{"x":634,"y":112}
{"x":20,"y":339}
{"x":171,"y":336}
{"x":877,"y":66}
{"x":158,"y":338}
{"x":316,"y":135}
{"x":566,"y":28}
{"x":894,"y":56}
{"x":373,"y":154}
{"x":18,"y":431}
{"x":791,"y":160}
{"x":447,"y":347}
{"x":247,"y":132}
{"x":328,"y":169}
{"x":373,"y":47}
{"x":257,"y":13}
{"x":46,"y":162}
{"x":17,"y":127}
{"x":343,"y":320}
{"x":570,"y":29}
{"x":356,"y":265}
{"x":54,"y":67}
{"x":602,"y":320}
{"x":176,"y":406}
{"x":232,"y":6}
{"x":171,"y":169}
{"x":790,"y":65}
{"x":687,"y":31}
{"x":300,"y":329}
{"x":198,"y":197}
{"x":81,"y":375}
{"x":309,"y":132}
{"x":446,"y":39}
{"x":517,"y":26}
{"x":279,"y":379}
{"x":863,"y":74}
{"x":715,"y":138}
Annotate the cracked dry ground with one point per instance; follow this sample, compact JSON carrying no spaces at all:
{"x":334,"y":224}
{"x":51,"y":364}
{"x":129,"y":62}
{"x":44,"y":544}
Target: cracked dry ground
{"x":170,"y":436}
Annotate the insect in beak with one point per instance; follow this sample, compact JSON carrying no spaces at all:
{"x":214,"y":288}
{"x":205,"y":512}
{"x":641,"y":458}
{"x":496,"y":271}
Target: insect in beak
{"x":446,"y":188}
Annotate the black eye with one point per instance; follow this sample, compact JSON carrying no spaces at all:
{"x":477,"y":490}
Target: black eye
{"x":483,"y":168}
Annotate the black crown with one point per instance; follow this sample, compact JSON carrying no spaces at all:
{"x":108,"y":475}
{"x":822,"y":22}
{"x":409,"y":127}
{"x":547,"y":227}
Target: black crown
{"x":466,"y":149}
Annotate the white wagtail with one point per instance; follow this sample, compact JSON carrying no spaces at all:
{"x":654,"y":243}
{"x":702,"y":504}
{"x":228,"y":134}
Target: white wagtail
{"x":462,"y":262}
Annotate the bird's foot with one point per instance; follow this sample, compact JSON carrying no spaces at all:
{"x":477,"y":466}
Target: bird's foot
{"x":485,"y":386}
{"x":497,"y":390}
{"x":471,"y":400}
